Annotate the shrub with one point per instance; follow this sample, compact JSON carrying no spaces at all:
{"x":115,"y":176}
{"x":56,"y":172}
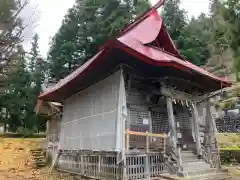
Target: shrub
{"x":25,"y":132}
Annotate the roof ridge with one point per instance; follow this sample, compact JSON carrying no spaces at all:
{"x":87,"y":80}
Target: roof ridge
{"x":141,"y":18}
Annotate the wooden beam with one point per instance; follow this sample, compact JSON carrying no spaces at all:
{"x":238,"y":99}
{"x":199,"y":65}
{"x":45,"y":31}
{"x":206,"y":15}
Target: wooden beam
{"x":179,"y":95}
{"x":54,"y":107}
{"x":193,"y":84}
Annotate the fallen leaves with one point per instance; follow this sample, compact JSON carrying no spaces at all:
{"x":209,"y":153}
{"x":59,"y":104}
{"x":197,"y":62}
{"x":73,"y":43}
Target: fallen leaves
{"x":17,"y":163}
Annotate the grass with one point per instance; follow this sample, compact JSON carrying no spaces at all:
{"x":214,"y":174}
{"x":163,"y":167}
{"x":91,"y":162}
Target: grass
{"x":229,"y":141}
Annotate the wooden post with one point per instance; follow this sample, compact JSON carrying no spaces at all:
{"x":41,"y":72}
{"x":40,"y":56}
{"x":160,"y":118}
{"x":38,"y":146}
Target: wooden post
{"x":164,"y":146}
{"x":171,"y":120}
{"x":147,"y":157}
{"x":180,"y":158}
{"x":127,"y":140}
{"x":150,"y":120}
{"x":128,"y":124}
{"x":173,"y":130}
{"x":99,"y":166}
{"x":125,"y":176}
{"x":212,"y":136}
{"x":82,"y":164}
{"x":208,"y":131}
{"x":179,"y":146}
{"x":196,"y":129}
{"x":150,"y":123}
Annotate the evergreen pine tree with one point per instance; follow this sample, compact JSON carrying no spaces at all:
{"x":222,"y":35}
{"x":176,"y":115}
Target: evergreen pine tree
{"x":85,"y":28}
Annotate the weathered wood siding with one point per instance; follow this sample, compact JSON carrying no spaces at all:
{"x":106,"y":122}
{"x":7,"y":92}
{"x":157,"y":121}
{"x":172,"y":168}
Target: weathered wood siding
{"x":90,"y":117}
{"x":53,"y":130}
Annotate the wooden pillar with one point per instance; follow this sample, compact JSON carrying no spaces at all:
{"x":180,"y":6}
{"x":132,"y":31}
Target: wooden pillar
{"x":127,"y":140}
{"x":147,"y":164}
{"x":208,"y":132}
{"x":48,"y":131}
{"x":129,"y":83}
{"x":196,"y":129}
{"x":150,"y":123}
{"x":212,"y":140}
{"x":172,"y":125}
{"x":128,"y":123}
{"x":173,"y":132}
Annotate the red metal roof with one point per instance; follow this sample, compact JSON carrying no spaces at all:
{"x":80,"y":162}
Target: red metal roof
{"x":135,"y":40}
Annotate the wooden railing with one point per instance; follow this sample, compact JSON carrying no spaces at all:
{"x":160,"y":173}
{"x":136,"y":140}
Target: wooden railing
{"x":215,"y":152}
{"x":144,"y":155}
{"x":145,"y":141}
{"x":204,"y":153}
{"x":211,"y":154}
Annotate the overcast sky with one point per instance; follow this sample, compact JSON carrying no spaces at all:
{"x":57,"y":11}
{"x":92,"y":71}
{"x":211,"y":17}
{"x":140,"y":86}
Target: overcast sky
{"x":48,"y":15}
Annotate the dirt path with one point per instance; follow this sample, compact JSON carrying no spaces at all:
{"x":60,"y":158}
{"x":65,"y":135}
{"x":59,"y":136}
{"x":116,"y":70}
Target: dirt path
{"x":16,"y":162}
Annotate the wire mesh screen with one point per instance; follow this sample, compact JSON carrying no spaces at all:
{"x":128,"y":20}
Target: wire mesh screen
{"x":160,"y":123}
{"x":138,"y":115}
{"x":90,"y":117}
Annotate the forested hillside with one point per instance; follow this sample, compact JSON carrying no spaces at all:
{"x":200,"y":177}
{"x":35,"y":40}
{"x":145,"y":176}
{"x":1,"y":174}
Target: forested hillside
{"x":211,"y":41}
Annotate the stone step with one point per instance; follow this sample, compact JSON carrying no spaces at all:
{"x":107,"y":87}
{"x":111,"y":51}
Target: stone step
{"x":189,"y":156}
{"x":36,"y":153}
{"x":197,"y":172}
{"x":188,"y":153}
{"x":193,"y":166}
{"x":214,"y":176}
{"x":191,"y":160}
{"x":39,"y":156}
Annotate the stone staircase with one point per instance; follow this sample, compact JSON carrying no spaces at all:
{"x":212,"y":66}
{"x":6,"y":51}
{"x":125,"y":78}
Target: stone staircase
{"x":197,"y":169}
{"x":192,"y":165}
{"x":39,"y":156}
